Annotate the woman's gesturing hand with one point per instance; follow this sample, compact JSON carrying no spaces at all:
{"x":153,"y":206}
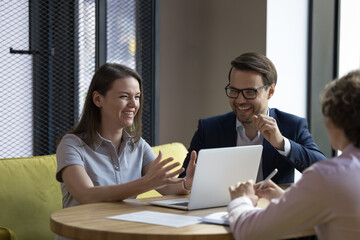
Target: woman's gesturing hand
{"x":190,"y":171}
{"x":159,"y":172}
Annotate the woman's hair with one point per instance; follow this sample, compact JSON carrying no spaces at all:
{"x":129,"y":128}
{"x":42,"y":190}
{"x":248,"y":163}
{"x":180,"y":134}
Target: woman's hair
{"x":258,"y":63}
{"x":341,"y":104}
{"x":102,"y":82}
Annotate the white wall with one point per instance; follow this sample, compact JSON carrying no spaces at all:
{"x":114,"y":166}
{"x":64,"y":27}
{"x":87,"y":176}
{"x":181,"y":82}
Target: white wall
{"x":349,"y":50}
{"x":286,"y":46}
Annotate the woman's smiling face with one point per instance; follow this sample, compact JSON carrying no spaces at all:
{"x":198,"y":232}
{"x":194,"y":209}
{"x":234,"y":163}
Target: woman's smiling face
{"x":121,"y":103}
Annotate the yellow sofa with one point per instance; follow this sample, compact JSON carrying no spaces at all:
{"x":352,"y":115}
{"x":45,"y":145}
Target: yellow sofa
{"x":29,"y":193}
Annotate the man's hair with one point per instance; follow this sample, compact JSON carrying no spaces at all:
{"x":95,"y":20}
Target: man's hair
{"x":341,"y":104}
{"x":258,"y":63}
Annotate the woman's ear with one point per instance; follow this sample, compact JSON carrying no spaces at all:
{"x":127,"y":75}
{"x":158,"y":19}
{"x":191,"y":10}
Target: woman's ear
{"x":97,"y":99}
{"x":271,"y":90}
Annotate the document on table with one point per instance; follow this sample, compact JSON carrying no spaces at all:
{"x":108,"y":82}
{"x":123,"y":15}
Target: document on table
{"x":165,"y":219}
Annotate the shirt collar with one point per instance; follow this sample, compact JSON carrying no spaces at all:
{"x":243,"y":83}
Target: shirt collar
{"x":126,"y":137}
{"x":349,"y":148}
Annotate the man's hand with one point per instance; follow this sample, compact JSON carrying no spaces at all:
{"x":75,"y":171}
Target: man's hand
{"x":244,"y":189}
{"x":270,"y":130}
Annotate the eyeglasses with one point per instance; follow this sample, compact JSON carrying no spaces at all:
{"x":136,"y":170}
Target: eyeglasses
{"x":248,"y":93}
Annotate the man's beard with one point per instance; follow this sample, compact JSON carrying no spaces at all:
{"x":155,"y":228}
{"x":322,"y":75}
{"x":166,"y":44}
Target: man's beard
{"x":249,"y":121}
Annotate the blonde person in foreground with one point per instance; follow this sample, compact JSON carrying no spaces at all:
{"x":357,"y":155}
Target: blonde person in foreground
{"x":327,"y":197}
{"x":104,"y":158}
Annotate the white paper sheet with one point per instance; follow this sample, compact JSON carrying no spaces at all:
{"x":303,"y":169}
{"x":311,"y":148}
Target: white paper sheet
{"x":165,"y":219}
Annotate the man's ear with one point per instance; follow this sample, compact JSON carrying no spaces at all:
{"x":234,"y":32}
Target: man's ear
{"x":271,"y":90}
{"x":97,"y":99}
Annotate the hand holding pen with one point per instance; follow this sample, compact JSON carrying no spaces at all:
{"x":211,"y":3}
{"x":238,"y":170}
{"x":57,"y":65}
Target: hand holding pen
{"x":252,"y":191}
{"x":268,"y":189}
{"x":271,"y":175}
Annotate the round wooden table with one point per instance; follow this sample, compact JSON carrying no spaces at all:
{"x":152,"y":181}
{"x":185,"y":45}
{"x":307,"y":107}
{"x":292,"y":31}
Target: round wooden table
{"x":89,"y":222}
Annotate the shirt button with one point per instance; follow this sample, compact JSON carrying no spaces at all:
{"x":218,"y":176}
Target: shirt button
{"x":117,"y":168}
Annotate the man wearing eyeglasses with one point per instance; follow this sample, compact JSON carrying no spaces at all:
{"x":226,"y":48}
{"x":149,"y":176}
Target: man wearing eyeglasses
{"x":287,"y":142}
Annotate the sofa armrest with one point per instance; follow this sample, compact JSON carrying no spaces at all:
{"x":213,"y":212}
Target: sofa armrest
{"x":7,"y":234}
{"x":29,"y":194}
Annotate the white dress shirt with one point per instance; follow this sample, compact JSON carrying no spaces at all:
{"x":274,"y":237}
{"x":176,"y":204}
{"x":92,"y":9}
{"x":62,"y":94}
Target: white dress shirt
{"x":243,"y":140}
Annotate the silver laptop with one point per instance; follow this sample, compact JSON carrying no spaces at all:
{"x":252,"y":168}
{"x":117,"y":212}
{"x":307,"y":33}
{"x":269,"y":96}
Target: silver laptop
{"x":216,"y":170}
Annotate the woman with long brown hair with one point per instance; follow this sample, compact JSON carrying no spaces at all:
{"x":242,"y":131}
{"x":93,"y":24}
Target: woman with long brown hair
{"x":104,"y":158}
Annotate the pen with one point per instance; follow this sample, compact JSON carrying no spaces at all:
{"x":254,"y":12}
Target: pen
{"x":268,"y":178}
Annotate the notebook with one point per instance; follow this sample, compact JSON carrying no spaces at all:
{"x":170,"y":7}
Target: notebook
{"x":216,"y":170}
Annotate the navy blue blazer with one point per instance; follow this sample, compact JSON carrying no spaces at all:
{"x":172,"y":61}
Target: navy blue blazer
{"x":220,"y":131}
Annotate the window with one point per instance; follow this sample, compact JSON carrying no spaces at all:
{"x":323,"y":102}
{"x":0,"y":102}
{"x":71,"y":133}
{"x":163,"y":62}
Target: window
{"x":49,"y":54}
{"x":349,"y":49}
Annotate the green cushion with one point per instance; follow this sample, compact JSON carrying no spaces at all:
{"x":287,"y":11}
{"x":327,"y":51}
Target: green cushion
{"x":29,"y":194}
{"x":175,"y":150}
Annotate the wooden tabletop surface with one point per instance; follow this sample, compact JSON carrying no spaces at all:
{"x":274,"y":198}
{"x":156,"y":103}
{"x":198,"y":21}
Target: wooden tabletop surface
{"x":88,"y":221}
